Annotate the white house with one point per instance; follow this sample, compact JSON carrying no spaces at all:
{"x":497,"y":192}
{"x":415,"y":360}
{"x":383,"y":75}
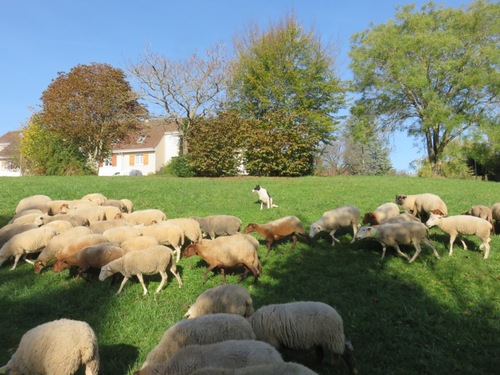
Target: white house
{"x":8,"y":144}
{"x":153,"y":148}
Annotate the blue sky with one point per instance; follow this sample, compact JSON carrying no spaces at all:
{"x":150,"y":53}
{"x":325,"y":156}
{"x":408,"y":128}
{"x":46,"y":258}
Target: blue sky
{"x":38,"y":39}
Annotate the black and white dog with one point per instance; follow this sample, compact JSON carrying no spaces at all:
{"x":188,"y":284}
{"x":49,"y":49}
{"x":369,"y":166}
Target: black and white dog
{"x":264,"y":197}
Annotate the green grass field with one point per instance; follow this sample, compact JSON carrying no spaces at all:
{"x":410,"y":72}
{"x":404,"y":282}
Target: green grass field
{"x":429,"y":317}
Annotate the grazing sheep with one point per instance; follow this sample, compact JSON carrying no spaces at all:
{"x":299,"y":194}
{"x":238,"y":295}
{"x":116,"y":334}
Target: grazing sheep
{"x":396,"y":234}
{"x":191,"y":228}
{"x":26,"y":219}
{"x":381,"y":213}
{"x":484,"y":212}
{"x":57,"y":206}
{"x":57,"y":243}
{"x":288,"y":226}
{"x":166,"y":234}
{"x":90,"y":212}
{"x":219,"y":225}
{"x":57,"y":347}
{"x":79,"y":243}
{"x":139,"y":243}
{"x":59,"y":225}
{"x":102,"y":226}
{"x":121,"y":234}
{"x":407,"y":202}
{"x":75,"y":220}
{"x":401,"y":218}
{"x":458,"y":225}
{"x":228,"y":252}
{"x":146,"y":217}
{"x":206,"y":329}
{"x":230,"y":298}
{"x":96,"y":198}
{"x":112,"y":212}
{"x":30,"y":241}
{"x":425,"y":203}
{"x":94,"y":256}
{"x":264,"y":197}
{"x":304,"y":325}
{"x":150,"y":261}
{"x":10,"y":230}
{"x":33,"y":202}
{"x":225,"y":354}
{"x":128,"y":205}
{"x":116,"y":203}
{"x":332,"y":220}
{"x":26,"y":212}
{"x":283,"y":368}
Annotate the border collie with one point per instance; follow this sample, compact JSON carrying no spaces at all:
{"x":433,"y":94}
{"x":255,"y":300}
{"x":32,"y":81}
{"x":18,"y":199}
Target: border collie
{"x":264,"y":197}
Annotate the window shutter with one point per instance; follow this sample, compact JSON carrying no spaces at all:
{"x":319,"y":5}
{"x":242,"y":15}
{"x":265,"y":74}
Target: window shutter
{"x":113,"y":160}
{"x":131,"y":159}
{"x":145,"y":159}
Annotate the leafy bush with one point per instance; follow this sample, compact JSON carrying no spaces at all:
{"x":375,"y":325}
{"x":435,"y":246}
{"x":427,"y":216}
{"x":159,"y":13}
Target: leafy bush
{"x":179,"y":166}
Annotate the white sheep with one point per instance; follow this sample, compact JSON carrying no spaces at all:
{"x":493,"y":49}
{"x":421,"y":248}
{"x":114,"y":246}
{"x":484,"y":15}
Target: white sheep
{"x":57,"y":206}
{"x":166,"y":234}
{"x":139,"y":243}
{"x":191,"y":228}
{"x":304,"y":325}
{"x":150,"y":261}
{"x":458,"y":225}
{"x":406,"y":201}
{"x":10,"y":230}
{"x":112,"y":212}
{"x":56,"y":244}
{"x":26,"y":212}
{"x":238,"y":250}
{"x":332,"y":220}
{"x":59,"y":225}
{"x":57,"y":347}
{"x":26,"y":219}
{"x":228,"y":298}
{"x":484,"y":212}
{"x":146,"y":217}
{"x":401,"y":218}
{"x":30,"y":241}
{"x":426,"y":203}
{"x":381,"y":213}
{"x":225,"y":354}
{"x":283,"y":368}
{"x":121,"y":234}
{"x":116,"y":203}
{"x":101,"y":226}
{"x":35,"y":201}
{"x":90,"y":212}
{"x":128,"y":205}
{"x":202,"y":330}
{"x":96,"y":198}
{"x":395,"y":234}
{"x":75,"y":220}
{"x":219,"y":225}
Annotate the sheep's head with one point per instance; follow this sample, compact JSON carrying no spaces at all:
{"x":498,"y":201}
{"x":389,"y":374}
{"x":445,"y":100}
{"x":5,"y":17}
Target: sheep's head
{"x":366,"y":231}
{"x":434,"y":218}
{"x":250,"y":228}
{"x":39,"y":265}
{"x":400,"y":198}
{"x":106,"y":272}
{"x":59,"y":265}
{"x":190,"y":250}
{"x":315,"y":229}
{"x":370,"y":218}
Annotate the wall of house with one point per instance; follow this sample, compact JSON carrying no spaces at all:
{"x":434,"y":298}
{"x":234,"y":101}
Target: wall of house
{"x":7,"y":171}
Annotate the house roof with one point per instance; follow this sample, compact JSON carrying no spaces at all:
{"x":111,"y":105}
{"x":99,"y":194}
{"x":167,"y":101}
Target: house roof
{"x":149,"y":136}
{"x":8,"y":143}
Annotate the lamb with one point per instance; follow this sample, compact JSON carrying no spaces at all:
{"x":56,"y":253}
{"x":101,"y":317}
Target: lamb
{"x":458,"y":225}
{"x":399,"y":234}
{"x":120,"y":234}
{"x":219,"y":225}
{"x":304,"y":325}
{"x":30,"y":241}
{"x":225,"y":354}
{"x":139,"y":243}
{"x":230,"y":298}
{"x":283,"y":368}
{"x":191,"y":228}
{"x":264,"y":197}
{"x":207,"y":329}
{"x":381,"y":213}
{"x":484,"y":212}
{"x":146,"y":217}
{"x":34,"y":201}
{"x":94,"y":256}
{"x":288,"y":226}
{"x":150,"y":261}
{"x":57,"y":347}
{"x":227,"y":252}
{"x":332,"y":220}
{"x":101,"y":226}
{"x":166,"y":234}
{"x":75,"y":220}
{"x":57,"y":243}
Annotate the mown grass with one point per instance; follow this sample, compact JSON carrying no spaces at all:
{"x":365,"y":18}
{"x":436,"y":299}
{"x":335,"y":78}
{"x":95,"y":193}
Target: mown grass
{"x":433,"y":316}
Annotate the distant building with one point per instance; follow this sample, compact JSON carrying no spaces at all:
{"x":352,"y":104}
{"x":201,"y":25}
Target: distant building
{"x":146,"y":153}
{"x":9,"y":143}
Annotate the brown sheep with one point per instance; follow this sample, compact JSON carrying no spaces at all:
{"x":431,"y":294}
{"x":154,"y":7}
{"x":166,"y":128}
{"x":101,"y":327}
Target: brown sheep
{"x":381,"y":213}
{"x":288,"y":226}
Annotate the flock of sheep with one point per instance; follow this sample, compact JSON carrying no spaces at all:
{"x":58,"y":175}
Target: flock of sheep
{"x":222,"y":329}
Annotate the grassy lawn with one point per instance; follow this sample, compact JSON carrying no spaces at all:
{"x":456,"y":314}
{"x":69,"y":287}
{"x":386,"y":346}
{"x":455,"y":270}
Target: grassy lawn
{"x":432,"y":316}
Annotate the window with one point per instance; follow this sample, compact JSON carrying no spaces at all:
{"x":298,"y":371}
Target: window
{"x":141,"y":139}
{"x":138,"y":159}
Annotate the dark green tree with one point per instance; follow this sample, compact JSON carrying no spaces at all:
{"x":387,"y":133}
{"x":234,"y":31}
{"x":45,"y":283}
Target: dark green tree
{"x":433,"y":73}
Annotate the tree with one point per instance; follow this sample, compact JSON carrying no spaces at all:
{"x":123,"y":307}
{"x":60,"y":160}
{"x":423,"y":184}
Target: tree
{"x":286,"y":73}
{"x":433,"y":73}
{"x":184,"y":90}
{"x":91,"y":107}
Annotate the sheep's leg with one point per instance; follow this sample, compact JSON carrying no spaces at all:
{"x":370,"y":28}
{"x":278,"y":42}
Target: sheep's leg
{"x":429,"y":243}
{"x":398,"y":250}
{"x":487,"y":247}
{"x":16,"y":259}
{"x":25,"y":258}
{"x":354,"y":232}
{"x":223,"y":273}
{"x":269,"y":242}
{"x":384,"y":248}
{"x":452,"y":239}
{"x":294,"y":239}
{"x":418,"y":250}
{"x":125,"y":279}
{"x":178,"y":251}
{"x":173,"y":269}
{"x":463,"y":243}
{"x":141,"y":280}
{"x":209,"y":268}
{"x":332,"y":234}
{"x":163,"y":275}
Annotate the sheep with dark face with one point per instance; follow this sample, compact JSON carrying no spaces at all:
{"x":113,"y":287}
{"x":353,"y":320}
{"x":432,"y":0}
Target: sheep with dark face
{"x":340,"y":217}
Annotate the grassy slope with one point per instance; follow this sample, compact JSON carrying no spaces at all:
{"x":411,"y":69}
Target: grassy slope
{"x":434,"y":316}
